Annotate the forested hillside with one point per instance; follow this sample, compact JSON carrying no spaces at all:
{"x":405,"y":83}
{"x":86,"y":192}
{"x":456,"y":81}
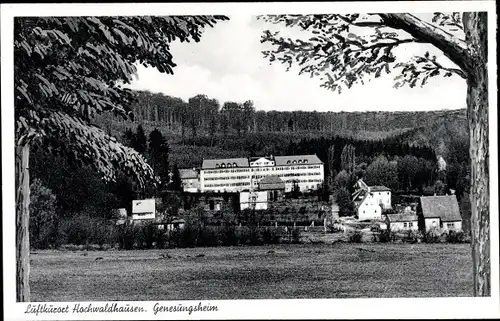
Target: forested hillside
{"x":186,"y":122}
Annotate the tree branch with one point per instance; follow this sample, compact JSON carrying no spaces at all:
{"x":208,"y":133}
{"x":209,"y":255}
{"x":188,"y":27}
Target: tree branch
{"x":355,"y":23}
{"x":452,"y":47}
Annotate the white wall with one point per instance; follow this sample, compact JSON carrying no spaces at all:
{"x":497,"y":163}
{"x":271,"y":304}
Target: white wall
{"x":191,"y":185}
{"x":143,"y":209}
{"x":225,"y":179}
{"x":432,"y":223}
{"x":247,"y":201}
{"x":454,"y":226}
{"x":369,"y":209}
{"x":400,"y":226}
{"x":309,"y":176}
{"x":383,"y":198}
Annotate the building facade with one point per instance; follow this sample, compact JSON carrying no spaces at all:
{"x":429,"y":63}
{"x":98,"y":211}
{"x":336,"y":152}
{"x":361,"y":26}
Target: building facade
{"x":402,"y":222}
{"x":439,"y":213}
{"x":241,"y":174}
{"x":367,"y":208}
{"x":144,"y":209}
{"x":190,"y":180}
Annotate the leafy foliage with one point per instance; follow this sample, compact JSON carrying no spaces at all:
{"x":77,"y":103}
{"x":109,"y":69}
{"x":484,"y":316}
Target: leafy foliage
{"x":43,"y":215}
{"x":68,"y":69}
{"x":346,"y":49}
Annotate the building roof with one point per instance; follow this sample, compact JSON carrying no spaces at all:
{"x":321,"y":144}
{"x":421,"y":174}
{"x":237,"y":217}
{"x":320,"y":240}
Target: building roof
{"x":379,"y":189}
{"x":402,"y":217}
{"x":188,"y":173}
{"x":217,"y":163}
{"x":444,"y":207}
{"x":271,"y":182}
{"x":309,"y":159}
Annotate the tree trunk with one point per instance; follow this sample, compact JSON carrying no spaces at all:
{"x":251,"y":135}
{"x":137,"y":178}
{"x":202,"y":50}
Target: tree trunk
{"x":475,"y":26}
{"x":22,"y":224}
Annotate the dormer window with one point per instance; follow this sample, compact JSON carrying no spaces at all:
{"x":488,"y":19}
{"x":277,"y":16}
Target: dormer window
{"x":217,"y":165}
{"x":222,"y":165}
{"x":294,"y":162}
{"x":228,"y":164}
{"x":305,"y":161}
{"x":288,"y":162}
{"x":234,"y":165}
{"x":300,"y":162}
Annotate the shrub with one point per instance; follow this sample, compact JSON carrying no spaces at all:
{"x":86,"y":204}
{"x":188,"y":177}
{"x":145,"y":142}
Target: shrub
{"x":188,"y":236}
{"x":456,"y":237}
{"x":228,"y":235}
{"x":76,"y":230}
{"x":102,"y":233}
{"x":295,"y":235}
{"x":254,"y":236}
{"x":42,"y":216}
{"x":355,"y":237}
{"x":208,"y":236}
{"x":431,"y":236}
{"x":385,"y":236}
{"x":410,"y":237}
{"x":271,"y":236}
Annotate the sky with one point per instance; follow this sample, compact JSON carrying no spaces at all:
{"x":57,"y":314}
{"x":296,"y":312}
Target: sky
{"x":227,"y":64}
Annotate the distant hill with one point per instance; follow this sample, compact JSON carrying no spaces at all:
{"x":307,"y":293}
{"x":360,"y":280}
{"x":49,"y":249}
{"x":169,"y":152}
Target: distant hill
{"x":439,"y":131}
{"x":222,"y":130}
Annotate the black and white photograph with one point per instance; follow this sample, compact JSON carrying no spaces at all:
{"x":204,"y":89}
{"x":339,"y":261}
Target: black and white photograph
{"x":244,"y":160}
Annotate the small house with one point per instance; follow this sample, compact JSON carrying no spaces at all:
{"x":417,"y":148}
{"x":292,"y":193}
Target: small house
{"x":439,"y":212}
{"x":144,"y":209}
{"x":370,"y":201}
{"x":274,"y":186}
{"x":190,"y":180}
{"x":402,"y":222}
{"x":367,"y":207}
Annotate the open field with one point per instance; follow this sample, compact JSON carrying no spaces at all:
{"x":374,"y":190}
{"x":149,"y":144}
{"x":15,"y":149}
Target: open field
{"x":260,"y":272}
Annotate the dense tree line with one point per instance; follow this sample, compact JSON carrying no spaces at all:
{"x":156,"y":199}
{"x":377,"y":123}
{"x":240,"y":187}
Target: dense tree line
{"x":205,"y":116}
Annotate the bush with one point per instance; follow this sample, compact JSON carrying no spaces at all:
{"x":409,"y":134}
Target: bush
{"x":208,"y":236}
{"x":271,"y":236}
{"x":411,"y":236}
{"x":295,"y":235}
{"x":456,"y":237}
{"x":431,"y":236}
{"x":229,"y":237}
{"x":384,"y":236}
{"x":42,"y":221}
{"x":254,"y":236}
{"x":76,"y":230}
{"x":187,"y":237}
{"x":355,"y":237}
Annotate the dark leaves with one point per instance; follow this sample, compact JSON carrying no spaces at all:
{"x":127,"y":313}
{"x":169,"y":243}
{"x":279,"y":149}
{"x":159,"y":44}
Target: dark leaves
{"x":68,"y":69}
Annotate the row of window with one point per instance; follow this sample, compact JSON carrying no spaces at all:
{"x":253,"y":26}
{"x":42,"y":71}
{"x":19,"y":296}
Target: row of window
{"x":257,"y":169}
{"x":232,"y":184}
{"x":303,"y":180}
{"x":226,"y":178}
{"x":260,"y":176}
{"x":224,"y":165}
{"x":216,"y":171}
{"x":300,"y":161}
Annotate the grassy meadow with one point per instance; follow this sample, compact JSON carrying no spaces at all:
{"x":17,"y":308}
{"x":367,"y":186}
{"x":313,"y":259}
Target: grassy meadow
{"x":254,"y":272}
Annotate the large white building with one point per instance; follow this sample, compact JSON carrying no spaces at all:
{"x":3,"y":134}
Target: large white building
{"x":370,"y":201}
{"x":240,"y":174}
